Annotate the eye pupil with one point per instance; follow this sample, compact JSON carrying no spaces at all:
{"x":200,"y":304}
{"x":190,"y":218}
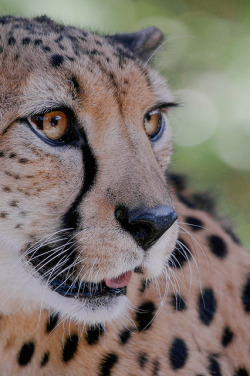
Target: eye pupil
{"x":54,"y":121}
{"x":52,"y":125}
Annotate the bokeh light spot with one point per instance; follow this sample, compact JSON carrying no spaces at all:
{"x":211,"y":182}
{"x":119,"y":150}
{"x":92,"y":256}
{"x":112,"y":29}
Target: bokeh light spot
{"x":195,"y":120}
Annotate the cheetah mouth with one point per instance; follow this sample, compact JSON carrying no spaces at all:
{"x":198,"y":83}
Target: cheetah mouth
{"x":78,"y":290}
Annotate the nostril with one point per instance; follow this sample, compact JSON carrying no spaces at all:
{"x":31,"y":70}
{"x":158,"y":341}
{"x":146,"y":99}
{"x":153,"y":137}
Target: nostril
{"x":121,"y":214}
{"x":141,"y":233}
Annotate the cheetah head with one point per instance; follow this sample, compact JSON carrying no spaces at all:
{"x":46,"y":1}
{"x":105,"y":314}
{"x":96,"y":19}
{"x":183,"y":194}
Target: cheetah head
{"x":84,"y":145}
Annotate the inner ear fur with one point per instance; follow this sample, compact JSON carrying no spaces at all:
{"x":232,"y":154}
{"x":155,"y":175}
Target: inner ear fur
{"x":142,"y":43}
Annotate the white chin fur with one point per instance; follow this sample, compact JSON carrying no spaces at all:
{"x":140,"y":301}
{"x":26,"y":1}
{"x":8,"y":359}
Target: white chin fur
{"x":21,"y":291}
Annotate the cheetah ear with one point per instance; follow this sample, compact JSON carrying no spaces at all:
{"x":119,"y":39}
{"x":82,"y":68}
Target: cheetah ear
{"x":142,"y":43}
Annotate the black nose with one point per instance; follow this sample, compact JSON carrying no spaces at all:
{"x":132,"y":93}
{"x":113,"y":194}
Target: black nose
{"x":146,"y":225}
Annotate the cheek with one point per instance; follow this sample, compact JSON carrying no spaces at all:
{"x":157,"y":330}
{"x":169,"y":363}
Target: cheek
{"x":35,"y":193}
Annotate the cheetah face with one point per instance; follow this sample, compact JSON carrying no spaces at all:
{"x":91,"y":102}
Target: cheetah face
{"x":84,"y":146}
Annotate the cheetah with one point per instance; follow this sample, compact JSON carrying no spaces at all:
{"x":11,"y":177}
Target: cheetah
{"x":109,"y":263}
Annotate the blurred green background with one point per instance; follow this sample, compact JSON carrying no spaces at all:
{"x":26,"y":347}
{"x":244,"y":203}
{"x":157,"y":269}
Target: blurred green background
{"x":207,"y":63}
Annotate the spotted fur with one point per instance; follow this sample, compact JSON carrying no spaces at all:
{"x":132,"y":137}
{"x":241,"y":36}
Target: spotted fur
{"x":187,"y":305}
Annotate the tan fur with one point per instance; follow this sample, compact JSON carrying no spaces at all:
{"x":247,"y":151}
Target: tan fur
{"x":223,"y":277}
{"x":39,"y":183}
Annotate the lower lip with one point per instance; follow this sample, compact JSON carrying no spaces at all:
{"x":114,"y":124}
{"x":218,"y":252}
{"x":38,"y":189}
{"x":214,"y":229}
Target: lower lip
{"x":86,"y":290}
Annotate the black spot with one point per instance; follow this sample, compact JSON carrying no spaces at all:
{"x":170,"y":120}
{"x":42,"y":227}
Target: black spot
{"x":145,"y":315}
{"x":93,"y":335}
{"x":1,"y":154}
{"x":1,"y":49}
{"x":11,"y":41}
{"x":5,"y":20}
{"x":70,"y":58}
{"x":125,"y":335}
{"x":46,"y":49}
{"x":142,"y":359}
{"x":107,"y":363}
{"x":70,"y":348}
{"x":59,"y":39}
{"x":26,"y":41}
{"x":144,"y":285}
{"x":245,"y":296}
{"x":214,"y":366}
{"x":75,"y":84}
{"x":178,"y":303}
{"x":26,"y":353}
{"x":61,"y":46}
{"x":241,"y":372}
{"x":227,"y":336}
{"x":37,"y":42}
{"x":207,"y":306}
{"x":217,"y":246}
{"x":180,"y":255}
{"x":45,"y":359}
{"x":29,"y":28}
{"x":72,"y":38}
{"x":14,"y":203}
{"x":204,"y":201}
{"x":94,"y":52}
{"x":156,"y":367}
{"x":179,"y":181}
{"x":23,"y":160}
{"x":12,"y":155}
{"x":194,"y":223}
{"x":43,"y":19}
{"x":186,"y":201}
{"x":178,"y":354}
{"x":138,"y":269}
{"x":3,"y":214}
{"x":56,"y":60}
{"x":51,"y":323}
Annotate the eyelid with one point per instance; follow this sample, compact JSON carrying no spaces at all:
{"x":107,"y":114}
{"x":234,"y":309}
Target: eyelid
{"x":155,"y":111}
{"x":164,"y":106}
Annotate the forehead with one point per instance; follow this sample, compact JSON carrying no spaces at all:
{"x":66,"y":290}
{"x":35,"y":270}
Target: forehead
{"x":61,"y":65}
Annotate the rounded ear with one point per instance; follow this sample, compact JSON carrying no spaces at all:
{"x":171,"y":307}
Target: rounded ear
{"x":142,"y":43}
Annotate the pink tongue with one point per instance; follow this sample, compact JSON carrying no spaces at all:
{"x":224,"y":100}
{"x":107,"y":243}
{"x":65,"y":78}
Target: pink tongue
{"x":121,"y":281}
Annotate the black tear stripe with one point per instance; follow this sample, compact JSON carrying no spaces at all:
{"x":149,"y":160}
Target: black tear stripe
{"x":71,"y":218}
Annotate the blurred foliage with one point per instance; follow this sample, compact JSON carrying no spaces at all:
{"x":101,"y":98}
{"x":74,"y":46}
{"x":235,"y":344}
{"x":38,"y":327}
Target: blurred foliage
{"x":206,"y":60}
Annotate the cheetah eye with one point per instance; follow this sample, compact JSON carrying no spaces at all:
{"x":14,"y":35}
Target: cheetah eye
{"x":154,"y":124}
{"x":53,"y":125}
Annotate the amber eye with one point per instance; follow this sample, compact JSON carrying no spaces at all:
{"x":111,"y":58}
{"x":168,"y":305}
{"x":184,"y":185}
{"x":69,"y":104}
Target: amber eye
{"x":154,"y":124}
{"x":53,"y":124}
